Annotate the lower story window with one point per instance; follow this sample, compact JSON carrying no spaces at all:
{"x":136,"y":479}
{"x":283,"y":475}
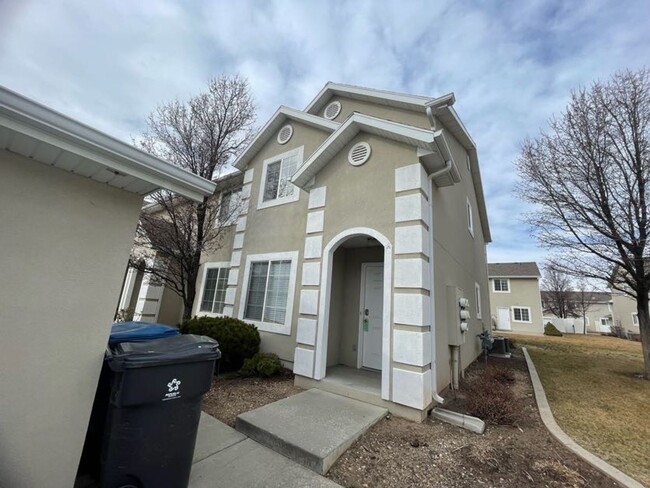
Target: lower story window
{"x":267,"y":293}
{"x":214,"y":290}
{"x":268,"y":290}
{"x":521,"y":314}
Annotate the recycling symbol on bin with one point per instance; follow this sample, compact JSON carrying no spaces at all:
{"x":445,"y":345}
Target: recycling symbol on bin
{"x":173,"y":385}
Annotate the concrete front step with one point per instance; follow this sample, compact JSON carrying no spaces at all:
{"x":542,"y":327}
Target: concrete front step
{"x":312,"y":428}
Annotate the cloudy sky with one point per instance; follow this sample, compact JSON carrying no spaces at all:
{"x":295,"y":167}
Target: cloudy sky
{"x":511,"y":64}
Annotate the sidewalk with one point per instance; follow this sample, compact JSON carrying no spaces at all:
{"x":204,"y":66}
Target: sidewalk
{"x":224,"y":457}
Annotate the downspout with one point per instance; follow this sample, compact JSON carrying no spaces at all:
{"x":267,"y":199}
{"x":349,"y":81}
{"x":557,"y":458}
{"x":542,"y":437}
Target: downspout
{"x":434,"y":368}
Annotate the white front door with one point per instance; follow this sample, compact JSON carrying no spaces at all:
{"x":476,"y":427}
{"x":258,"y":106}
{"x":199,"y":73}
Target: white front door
{"x":503,"y":318}
{"x":372,"y":313}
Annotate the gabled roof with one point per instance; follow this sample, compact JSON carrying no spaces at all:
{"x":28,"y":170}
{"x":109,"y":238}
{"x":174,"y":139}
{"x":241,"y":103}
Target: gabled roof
{"x":356,"y":122}
{"x":401,"y":100}
{"x":49,"y":137}
{"x":441,"y":108}
{"x":513,"y":270}
{"x":274,"y":124}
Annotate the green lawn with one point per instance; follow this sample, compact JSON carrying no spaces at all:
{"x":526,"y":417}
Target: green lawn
{"x":595,"y":397}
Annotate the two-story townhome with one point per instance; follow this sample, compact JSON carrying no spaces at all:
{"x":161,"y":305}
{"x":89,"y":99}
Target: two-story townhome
{"x":515,"y":297}
{"x":361,"y":242}
{"x":598,"y":311}
{"x":625,"y":314}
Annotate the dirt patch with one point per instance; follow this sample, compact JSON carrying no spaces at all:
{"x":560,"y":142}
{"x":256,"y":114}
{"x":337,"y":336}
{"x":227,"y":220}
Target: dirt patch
{"x":230,"y":396}
{"x":397,"y":453}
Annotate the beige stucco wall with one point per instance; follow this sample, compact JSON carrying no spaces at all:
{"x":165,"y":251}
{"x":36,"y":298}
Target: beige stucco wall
{"x":65,"y":242}
{"x":171,"y":308}
{"x":459,"y":260}
{"x":349,"y":105}
{"x":595,"y":312}
{"x":624,"y":308}
{"x":524,"y":292}
{"x":278,"y":229}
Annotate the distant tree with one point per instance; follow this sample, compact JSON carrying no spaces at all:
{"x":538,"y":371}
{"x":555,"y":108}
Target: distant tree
{"x":557,"y":293}
{"x":584,"y":298}
{"x":203,"y":136}
{"x":588,"y":177}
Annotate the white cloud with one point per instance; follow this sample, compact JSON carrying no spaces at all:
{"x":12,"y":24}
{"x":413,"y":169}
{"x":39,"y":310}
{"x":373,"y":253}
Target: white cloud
{"x":511,"y":65}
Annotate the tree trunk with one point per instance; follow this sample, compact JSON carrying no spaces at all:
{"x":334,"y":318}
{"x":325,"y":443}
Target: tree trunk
{"x":644,"y":330}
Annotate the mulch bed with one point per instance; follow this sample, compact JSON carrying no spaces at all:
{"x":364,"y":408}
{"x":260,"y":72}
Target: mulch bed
{"x":231,"y":395}
{"x":397,"y":453}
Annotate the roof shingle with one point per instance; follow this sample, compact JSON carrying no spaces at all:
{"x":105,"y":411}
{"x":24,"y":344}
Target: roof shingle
{"x":522,"y":270}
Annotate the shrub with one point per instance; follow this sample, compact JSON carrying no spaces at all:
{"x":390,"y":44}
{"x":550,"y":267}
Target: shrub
{"x":551,"y":330}
{"x":237,"y":340}
{"x":492,"y":401}
{"x":263,"y":364}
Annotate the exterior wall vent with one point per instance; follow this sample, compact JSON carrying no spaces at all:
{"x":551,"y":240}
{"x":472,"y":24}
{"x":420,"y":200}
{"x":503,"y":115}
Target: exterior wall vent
{"x":285,"y":134}
{"x":332,"y":110}
{"x":359,"y":153}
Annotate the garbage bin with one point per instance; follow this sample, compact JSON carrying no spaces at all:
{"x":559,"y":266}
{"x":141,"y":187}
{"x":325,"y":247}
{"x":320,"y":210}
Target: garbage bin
{"x":89,"y":464}
{"x":154,"y":410}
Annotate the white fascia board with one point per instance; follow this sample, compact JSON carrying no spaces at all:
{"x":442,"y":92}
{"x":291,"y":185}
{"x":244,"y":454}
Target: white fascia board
{"x":274,"y":123}
{"x":410,"y":102}
{"x":36,"y":121}
{"x":353,"y":125}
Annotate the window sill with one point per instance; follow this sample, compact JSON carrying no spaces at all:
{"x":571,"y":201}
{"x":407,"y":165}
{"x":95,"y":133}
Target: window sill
{"x":210,"y":314}
{"x":278,"y":201}
{"x":284,"y":329}
{"x":495,"y":291}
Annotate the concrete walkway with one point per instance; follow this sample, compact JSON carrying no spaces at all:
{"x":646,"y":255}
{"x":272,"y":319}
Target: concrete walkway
{"x":312,"y":428}
{"x":226,"y":458}
{"x":555,"y":430}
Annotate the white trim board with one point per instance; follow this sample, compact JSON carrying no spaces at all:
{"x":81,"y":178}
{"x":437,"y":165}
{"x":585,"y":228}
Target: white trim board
{"x":299,"y":151}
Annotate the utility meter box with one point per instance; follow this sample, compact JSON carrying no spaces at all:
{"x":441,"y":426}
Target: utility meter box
{"x":457,"y":315}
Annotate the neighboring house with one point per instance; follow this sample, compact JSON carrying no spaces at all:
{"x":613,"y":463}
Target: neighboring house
{"x":625,"y":314}
{"x":515,"y":297}
{"x":70,"y":197}
{"x":357,"y":212}
{"x":598,"y":316}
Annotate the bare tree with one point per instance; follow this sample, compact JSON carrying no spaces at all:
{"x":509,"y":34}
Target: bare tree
{"x":202,"y":135}
{"x":588,"y":178}
{"x":556,"y":296}
{"x":584,"y":298}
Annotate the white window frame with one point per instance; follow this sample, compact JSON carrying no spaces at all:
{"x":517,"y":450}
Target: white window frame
{"x":530,"y":317}
{"x":204,"y":275}
{"x":477,"y":297}
{"x":494,"y":286}
{"x":285,"y":328}
{"x":635,"y":319}
{"x":470,"y":218}
{"x":288,"y":199}
{"x":234,"y":217}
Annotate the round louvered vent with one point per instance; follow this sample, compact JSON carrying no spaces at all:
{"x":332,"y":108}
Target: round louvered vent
{"x":285,"y":134}
{"x":332,"y":110}
{"x":359,"y":153}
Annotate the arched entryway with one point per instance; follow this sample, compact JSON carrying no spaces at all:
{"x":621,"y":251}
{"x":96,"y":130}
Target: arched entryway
{"x":355,"y":305}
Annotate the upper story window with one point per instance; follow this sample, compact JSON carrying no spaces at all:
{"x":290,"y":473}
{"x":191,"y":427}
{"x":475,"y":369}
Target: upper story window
{"x":635,"y":319}
{"x":215,"y":282}
{"x":501,"y":285}
{"x":229,"y":207}
{"x":470,"y":218}
{"x":276,"y":187}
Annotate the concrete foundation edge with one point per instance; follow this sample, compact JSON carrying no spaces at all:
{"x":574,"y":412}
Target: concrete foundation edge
{"x":402,"y":411}
{"x":555,"y":430}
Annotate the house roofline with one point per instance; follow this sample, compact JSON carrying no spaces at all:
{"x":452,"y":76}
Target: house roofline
{"x":273,"y":123}
{"x":39,"y":123}
{"x":355,"y":123}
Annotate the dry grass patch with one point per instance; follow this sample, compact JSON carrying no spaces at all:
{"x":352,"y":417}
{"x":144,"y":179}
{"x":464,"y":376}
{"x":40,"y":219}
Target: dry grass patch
{"x":596,"y":396}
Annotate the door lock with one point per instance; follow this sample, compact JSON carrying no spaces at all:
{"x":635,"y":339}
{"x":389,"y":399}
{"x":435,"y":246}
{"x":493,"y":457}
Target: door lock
{"x":366,"y":312}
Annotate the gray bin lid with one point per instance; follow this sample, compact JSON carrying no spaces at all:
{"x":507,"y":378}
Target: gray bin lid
{"x":169,"y":350}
